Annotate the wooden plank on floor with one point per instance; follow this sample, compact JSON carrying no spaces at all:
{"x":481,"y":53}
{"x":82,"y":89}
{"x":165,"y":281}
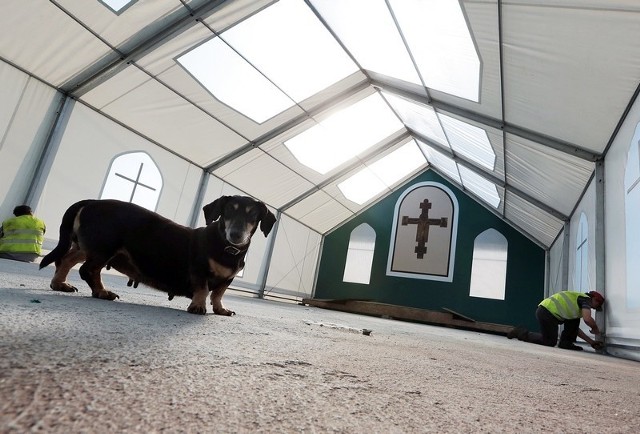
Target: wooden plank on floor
{"x":406,"y":314}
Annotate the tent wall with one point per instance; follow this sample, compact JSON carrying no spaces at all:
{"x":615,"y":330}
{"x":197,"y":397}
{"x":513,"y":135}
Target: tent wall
{"x":27,"y":114}
{"x":524,"y":276}
{"x":622,"y":239}
{"x":83,"y":148}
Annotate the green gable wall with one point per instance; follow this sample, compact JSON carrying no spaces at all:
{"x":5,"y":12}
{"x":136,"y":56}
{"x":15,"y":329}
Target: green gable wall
{"x":525,"y":265}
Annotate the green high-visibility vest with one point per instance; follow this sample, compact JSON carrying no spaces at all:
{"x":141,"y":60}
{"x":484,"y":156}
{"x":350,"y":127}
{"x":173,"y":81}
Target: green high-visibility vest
{"x":564,"y":305}
{"x":22,"y":234}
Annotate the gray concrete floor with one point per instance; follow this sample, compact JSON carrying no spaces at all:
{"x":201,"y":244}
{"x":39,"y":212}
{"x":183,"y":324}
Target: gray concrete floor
{"x":142,"y":364}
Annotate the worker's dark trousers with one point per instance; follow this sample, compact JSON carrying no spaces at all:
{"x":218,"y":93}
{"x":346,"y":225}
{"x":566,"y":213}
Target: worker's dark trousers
{"x":549,"y":329}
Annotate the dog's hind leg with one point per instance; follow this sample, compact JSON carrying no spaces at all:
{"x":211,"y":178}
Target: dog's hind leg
{"x":63,"y":266}
{"x":90,"y":273}
{"x":216,"y":300}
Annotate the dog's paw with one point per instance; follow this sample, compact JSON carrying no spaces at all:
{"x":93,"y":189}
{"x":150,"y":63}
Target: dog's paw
{"x":105,"y":295}
{"x":224,"y":312}
{"x":63,"y":287}
{"x":198,"y":310}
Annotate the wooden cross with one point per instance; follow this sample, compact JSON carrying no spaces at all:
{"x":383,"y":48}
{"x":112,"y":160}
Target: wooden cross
{"x":422,"y":230}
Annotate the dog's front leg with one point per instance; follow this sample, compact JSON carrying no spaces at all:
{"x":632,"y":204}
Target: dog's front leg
{"x":199,"y":300}
{"x":216,"y":299}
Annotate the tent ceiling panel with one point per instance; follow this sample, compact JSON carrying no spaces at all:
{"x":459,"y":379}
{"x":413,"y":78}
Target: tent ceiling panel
{"x":319,"y":212}
{"x":537,"y":223}
{"x":554,"y":178}
{"x":57,"y":47}
{"x":114,"y":28}
{"x":368,"y":182}
{"x":264,"y":178}
{"x":162,"y":116}
{"x":570,"y":69}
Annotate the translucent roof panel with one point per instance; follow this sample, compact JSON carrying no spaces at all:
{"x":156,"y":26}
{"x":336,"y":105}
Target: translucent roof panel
{"x":382,"y":174}
{"x":232,"y":80}
{"x":371,"y":37}
{"x":117,"y":5}
{"x":271,"y":62}
{"x":469,"y":140}
{"x":440,"y":161}
{"x":345,"y":134}
{"x":418,"y":117}
{"x":480,"y":186}
{"x":441,"y":45}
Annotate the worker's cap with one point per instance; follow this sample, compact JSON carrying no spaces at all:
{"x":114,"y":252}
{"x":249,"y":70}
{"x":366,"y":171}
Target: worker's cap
{"x":596,"y":296}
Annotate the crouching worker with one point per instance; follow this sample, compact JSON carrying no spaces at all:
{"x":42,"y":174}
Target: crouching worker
{"x":565,"y":307}
{"x":21,"y":236}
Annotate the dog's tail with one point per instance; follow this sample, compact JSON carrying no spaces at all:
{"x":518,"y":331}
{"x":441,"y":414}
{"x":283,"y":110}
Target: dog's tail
{"x":66,"y":231}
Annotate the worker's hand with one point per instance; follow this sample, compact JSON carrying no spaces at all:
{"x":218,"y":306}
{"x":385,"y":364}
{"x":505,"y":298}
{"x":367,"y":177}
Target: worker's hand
{"x":597,"y":345}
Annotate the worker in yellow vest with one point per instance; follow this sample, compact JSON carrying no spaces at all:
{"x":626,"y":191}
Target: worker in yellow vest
{"x":565,"y":307}
{"x":21,"y":236}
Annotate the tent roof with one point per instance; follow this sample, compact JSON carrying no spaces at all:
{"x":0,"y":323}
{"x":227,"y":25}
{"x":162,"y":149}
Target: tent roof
{"x":513,"y":101}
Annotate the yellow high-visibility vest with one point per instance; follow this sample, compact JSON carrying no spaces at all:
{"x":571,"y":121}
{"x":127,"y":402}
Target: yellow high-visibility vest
{"x":22,"y":234}
{"x":564,"y":305}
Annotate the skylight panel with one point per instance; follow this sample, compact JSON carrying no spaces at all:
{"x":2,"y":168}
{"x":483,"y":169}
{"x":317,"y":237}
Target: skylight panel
{"x":418,"y":117}
{"x":382,"y":174}
{"x":470,"y":141}
{"x":290,"y":46}
{"x":481,"y":187}
{"x":117,"y":5}
{"x":345,"y":134}
{"x":233,"y":81}
{"x":441,"y":162}
{"x":371,"y":37}
{"x":441,"y":45}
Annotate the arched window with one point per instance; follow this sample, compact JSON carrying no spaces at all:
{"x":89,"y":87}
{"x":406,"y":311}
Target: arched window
{"x":423,"y":237}
{"x":632,"y":220}
{"x":581,"y":279}
{"x":133,"y":177}
{"x":362,"y":243}
{"x":489,"y":268}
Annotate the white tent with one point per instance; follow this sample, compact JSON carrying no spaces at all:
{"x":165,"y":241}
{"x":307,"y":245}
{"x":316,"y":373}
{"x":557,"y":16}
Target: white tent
{"x":321,"y":107}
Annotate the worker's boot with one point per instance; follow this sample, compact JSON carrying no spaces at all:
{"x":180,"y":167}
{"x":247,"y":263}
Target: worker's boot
{"x":518,"y":332}
{"x":569,"y":346}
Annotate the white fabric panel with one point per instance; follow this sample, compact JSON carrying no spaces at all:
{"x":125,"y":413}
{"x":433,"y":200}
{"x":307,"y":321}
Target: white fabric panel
{"x":264,"y":178}
{"x":556,"y":266}
{"x":622,"y":321}
{"x":58,"y":47}
{"x":294,"y":260}
{"x":554,"y":178}
{"x":320,"y":212}
{"x":120,"y":84}
{"x":547,"y":53}
{"x":118,"y":28}
{"x":483,"y":19}
{"x":163,"y":116}
{"x":88,"y":144}
{"x":26,"y":113}
{"x":536,"y":222}
{"x":587,"y":206}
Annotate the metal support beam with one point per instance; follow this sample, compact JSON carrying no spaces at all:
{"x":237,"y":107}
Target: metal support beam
{"x":565,"y":256}
{"x":266,"y":262}
{"x":600,"y":241}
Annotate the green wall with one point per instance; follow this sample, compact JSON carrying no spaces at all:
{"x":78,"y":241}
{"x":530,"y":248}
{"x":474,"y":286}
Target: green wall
{"x":525,"y":265}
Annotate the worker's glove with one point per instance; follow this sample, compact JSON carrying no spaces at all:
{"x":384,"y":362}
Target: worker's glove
{"x":597,"y":346}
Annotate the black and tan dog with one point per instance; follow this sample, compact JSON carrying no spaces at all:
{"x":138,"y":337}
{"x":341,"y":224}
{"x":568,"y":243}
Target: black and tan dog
{"x":151,"y":249}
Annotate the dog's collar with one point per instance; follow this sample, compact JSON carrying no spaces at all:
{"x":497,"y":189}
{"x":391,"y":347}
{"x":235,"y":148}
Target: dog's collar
{"x":233,"y":250}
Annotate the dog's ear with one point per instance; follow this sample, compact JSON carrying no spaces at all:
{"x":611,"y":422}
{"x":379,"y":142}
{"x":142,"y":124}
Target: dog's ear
{"x":213,"y":210}
{"x":267,"y":220}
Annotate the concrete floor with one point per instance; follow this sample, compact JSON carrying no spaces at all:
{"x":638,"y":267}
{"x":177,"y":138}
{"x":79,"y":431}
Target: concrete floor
{"x":142,"y":364}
